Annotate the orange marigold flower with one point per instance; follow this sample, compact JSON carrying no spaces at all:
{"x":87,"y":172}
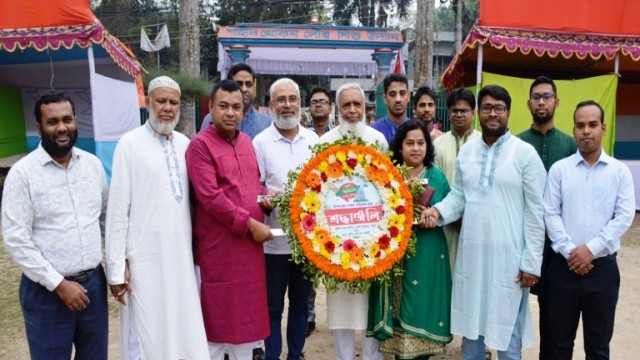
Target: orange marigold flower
{"x":370,"y":172}
{"x":334,"y":170}
{"x":313,"y":180}
{"x":356,"y":255}
{"x":323,"y":236}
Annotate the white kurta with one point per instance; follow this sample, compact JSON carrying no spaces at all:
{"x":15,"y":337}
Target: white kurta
{"x":344,"y":309}
{"x":149,"y":225}
{"x":500,"y":191}
{"x":446,"y":149}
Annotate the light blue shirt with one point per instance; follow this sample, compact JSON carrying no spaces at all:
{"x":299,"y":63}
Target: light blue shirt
{"x":252,"y":124}
{"x":499,"y":188}
{"x":588,"y":205}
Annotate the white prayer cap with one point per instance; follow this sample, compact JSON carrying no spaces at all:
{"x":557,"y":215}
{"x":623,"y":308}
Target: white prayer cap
{"x":163,"y":81}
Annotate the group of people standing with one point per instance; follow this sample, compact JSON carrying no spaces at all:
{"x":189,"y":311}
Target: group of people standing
{"x":191,"y":257}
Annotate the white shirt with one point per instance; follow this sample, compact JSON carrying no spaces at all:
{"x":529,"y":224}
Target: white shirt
{"x":499,"y":189}
{"x":53,"y":217}
{"x":344,"y":309}
{"x":446,"y":149}
{"x":149,"y":226}
{"x":592,"y":205}
{"x":276,"y":156}
{"x":367,"y":133}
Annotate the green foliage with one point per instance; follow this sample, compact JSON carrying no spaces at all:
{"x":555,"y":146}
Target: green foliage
{"x":285,"y":12}
{"x":445,"y":19}
{"x":445,"y":16}
{"x":368,"y":12}
{"x":125,"y":18}
{"x":190,"y":87}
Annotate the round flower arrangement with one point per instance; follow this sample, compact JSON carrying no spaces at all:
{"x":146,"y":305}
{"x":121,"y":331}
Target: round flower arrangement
{"x":348,"y":214}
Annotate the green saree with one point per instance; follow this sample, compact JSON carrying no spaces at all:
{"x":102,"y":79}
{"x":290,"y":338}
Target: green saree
{"x":411,"y":318}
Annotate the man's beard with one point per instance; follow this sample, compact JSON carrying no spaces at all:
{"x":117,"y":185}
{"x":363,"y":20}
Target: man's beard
{"x":287,"y":122}
{"x":494,"y":132}
{"x":542,"y":120}
{"x":358,"y":129}
{"x":53,"y":149}
{"x":162,"y":128}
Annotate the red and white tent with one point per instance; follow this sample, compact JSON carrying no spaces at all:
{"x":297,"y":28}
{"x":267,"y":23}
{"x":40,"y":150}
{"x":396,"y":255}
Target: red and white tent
{"x":61,"y":45}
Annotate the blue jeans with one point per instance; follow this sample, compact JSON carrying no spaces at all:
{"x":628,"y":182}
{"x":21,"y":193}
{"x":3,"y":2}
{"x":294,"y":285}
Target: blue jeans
{"x":52,"y":329}
{"x":283,"y":273}
{"x":474,"y":349}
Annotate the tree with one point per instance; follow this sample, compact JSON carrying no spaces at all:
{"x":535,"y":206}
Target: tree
{"x":459,"y":17}
{"x":458,"y":38}
{"x":445,"y":18}
{"x":424,"y":44}
{"x":368,"y":12}
{"x":189,"y":60}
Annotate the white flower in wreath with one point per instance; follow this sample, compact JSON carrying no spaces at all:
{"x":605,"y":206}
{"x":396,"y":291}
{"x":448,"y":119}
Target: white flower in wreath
{"x":369,"y":262}
{"x":394,"y":245}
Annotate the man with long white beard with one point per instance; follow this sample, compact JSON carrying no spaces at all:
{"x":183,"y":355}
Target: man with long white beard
{"x":347,"y":312}
{"x":351,"y":116}
{"x":148,"y":237}
{"x":281,"y":148}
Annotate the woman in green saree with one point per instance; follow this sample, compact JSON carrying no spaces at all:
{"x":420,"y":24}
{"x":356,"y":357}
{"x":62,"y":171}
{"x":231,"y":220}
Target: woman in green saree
{"x":411,"y":316}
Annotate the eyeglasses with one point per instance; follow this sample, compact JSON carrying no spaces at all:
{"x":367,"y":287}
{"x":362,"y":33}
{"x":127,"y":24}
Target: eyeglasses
{"x":321,"y":102}
{"x":499,"y":109}
{"x":459,"y":111}
{"x":283,"y":100}
{"x":546,"y":97}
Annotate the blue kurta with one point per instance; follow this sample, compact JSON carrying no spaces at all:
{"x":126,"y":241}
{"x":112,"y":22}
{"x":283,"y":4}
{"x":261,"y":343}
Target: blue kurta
{"x":499,"y":189}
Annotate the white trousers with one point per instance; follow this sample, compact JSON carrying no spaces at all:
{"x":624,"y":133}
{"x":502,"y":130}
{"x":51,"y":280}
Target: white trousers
{"x":134,"y":343}
{"x":235,"y":352}
{"x":344,"y":342}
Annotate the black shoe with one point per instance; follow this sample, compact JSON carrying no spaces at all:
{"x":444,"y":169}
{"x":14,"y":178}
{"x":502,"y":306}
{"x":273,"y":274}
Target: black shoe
{"x":311,"y":325}
{"x":258,"y":354}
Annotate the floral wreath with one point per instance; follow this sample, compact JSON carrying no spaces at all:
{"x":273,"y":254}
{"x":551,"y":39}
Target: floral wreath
{"x":324,"y":255}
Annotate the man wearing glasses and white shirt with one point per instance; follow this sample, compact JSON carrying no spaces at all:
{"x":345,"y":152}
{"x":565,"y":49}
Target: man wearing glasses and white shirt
{"x":461,"y":104}
{"x":499,"y":185}
{"x":281,"y":148}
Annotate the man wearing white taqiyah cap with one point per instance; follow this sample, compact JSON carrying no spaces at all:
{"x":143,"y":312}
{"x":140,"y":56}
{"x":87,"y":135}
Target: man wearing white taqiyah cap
{"x":148,"y":237}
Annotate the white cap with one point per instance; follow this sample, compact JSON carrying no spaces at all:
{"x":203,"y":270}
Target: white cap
{"x":163,"y":81}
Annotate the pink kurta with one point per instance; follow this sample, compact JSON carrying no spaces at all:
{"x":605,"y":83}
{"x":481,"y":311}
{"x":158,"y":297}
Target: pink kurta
{"x":226,"y":181}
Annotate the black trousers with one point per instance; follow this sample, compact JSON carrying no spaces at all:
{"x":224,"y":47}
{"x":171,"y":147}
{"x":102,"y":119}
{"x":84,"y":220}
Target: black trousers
{"x":594,"y":296}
